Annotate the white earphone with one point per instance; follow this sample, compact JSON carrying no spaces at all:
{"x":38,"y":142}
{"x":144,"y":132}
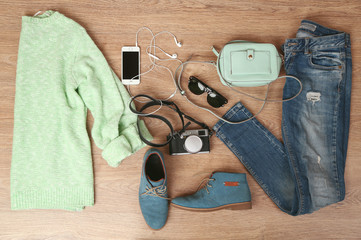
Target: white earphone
{"x":179,"y":44}
{"x":173,"y":56}
{"x":151,"y":52}
{"x":153,"y":56}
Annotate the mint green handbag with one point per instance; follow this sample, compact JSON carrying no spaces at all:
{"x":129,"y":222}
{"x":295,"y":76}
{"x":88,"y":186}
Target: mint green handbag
{"x":248,"y":64}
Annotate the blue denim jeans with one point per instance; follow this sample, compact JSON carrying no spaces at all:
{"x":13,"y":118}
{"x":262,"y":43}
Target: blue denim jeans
{"x":306,"y":171}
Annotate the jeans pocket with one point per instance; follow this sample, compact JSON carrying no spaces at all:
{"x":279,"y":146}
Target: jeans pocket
{"x":326,"y":60}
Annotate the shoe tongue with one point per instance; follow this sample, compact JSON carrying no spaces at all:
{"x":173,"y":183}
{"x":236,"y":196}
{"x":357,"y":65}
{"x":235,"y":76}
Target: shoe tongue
{"x":157,"y":183}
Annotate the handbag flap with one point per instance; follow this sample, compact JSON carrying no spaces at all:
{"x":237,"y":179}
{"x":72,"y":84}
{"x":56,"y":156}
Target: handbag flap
{"x":249,"y":61}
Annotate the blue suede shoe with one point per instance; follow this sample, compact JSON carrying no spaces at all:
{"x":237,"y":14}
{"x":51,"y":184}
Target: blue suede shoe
{"x":221,"y":190}
{"x":153,"y":197}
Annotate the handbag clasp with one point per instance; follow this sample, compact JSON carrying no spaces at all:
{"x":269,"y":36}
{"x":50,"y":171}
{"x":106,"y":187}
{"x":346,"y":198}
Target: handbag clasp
{"x":250,"y":54}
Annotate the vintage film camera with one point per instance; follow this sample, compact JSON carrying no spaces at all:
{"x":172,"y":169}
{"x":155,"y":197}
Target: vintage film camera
{"x":190,"y":141}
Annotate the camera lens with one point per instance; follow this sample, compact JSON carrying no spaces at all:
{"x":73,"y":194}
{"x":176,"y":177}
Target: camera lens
{"x":193,"y":144}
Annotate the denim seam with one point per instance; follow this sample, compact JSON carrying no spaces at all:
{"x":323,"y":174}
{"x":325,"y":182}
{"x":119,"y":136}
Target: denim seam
{"x":289,"y":61}
{"x":233,"y":111}
{"x":319,"y":47}
{"x":228,"y":115}
{"x":346,"y":73}
{"x":328,"y":38}
{"x":259,"y":181}
{"x":335,"y":118}
{"x":295,"y":171}
{"x":334,"y":148}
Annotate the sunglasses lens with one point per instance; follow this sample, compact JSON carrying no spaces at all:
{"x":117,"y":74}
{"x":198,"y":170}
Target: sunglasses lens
{"x":196,"y":87}
{"x":215,"y":100}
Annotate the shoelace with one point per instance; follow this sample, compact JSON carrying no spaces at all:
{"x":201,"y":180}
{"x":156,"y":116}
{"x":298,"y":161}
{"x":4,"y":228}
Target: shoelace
{"x":159,"y":191}
{"x":207,"y":185}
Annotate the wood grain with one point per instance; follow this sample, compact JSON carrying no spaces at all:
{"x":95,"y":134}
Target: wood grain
{"x":199,"y":25}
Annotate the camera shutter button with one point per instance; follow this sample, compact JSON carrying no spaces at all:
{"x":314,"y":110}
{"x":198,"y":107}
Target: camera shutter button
{"x":193,"y":144}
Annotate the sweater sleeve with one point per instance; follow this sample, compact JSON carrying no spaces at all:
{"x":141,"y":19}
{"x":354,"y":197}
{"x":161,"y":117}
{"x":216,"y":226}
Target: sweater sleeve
{"x":114,"y":129}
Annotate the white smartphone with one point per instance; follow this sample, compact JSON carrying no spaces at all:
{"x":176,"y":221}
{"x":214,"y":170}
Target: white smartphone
{"x":130,"y":65}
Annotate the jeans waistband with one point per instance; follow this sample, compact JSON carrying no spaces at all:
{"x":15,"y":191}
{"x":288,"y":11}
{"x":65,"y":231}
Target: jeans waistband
{"x":317,"y":37}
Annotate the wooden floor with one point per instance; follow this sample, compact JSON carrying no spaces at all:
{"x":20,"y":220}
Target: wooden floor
{"x":199,"y":25}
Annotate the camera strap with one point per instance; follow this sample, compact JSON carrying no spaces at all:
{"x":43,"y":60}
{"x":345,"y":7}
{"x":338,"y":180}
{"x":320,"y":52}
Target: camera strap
{"x":170,"y":105}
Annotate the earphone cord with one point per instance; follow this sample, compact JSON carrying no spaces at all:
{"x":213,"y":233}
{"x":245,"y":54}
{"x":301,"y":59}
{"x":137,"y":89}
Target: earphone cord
{"x":150,"y":68}
{"x":153,"y":59}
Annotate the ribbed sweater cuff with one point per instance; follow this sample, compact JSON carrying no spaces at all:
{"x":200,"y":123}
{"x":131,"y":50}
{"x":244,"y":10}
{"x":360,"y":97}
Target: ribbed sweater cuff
{"x":126,"y":144}
{"x":73,"y":199}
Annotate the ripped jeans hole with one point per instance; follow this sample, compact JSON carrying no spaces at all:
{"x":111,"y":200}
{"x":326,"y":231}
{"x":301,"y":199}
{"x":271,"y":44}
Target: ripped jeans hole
{"x":313,"y":97}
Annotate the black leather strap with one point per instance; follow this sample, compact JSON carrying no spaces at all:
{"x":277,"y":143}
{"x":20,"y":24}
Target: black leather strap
{"x":169,"y":104}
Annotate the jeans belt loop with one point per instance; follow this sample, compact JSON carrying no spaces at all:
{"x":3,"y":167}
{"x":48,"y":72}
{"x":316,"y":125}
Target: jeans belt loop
{"x":307,"y":51}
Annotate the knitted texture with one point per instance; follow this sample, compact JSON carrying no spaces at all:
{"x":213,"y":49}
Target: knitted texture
{"x":60,"y":74}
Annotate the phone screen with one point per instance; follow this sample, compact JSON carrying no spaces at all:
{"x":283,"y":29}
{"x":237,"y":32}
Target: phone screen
{"x":130,"y":65}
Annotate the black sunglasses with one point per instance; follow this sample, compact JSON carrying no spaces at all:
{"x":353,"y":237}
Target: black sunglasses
{"x":198,"y":87}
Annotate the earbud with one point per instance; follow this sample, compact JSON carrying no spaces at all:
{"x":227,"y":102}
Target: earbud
{"x":173,"y":56}
{"x":153,"y":56}
{"x":179,"y":44}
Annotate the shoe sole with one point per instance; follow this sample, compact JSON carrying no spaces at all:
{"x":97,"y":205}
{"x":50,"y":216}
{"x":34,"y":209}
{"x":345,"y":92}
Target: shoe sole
{"x":233,"y":206}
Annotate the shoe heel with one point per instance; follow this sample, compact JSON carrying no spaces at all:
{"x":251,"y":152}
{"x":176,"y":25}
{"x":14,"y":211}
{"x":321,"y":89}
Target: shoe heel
{"x":240,"y":206}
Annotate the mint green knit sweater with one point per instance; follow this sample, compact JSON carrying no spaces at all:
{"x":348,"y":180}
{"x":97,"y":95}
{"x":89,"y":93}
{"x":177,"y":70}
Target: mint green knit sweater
{"x":60,"y":74}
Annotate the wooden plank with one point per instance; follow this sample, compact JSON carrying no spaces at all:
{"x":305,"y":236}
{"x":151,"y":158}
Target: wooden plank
{"x":199,"y":25}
